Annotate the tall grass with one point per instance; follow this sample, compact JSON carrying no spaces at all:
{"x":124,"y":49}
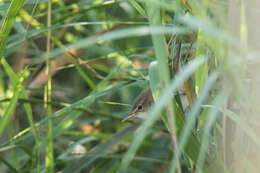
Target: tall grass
{"x":71,"y":70}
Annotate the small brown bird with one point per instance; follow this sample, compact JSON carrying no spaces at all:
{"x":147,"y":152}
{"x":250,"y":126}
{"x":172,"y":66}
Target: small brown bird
{"x":141,"y":104}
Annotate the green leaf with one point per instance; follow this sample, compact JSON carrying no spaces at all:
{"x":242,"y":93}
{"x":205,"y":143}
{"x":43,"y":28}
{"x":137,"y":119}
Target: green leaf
{"x":138,"y":8}
{"x":7,"y":25}
{"x":11,"y":168}
{"x":201,"y":73}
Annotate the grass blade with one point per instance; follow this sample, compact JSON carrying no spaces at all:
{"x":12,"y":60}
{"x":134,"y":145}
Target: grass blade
{"x":7,"y":25}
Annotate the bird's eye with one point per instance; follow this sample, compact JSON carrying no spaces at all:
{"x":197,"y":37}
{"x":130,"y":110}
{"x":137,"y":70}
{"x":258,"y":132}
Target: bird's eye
{"x":140,"y":107}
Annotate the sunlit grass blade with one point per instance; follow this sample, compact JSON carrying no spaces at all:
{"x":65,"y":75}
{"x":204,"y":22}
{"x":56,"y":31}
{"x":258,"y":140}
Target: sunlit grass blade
{"x":5,"y":120}
{"x":202,"y":72}
{"x":9,"y":20}
{"x":13,"y":40}
{"x":17,"y":88}
{"x":49,"y":156}
{"x":115,"y":35}
{"x":156,"y":86}
{"x":138,"y":7}
{"x":15,"y":78}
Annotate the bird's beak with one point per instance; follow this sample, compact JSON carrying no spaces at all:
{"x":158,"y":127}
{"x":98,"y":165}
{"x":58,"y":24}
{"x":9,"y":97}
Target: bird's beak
{"x":128,"y":117}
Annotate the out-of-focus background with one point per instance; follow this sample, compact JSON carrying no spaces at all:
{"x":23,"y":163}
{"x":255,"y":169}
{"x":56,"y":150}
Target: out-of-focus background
{"x":71,"y":70}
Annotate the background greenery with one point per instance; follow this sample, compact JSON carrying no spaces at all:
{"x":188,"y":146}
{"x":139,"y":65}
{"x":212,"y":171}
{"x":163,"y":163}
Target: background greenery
{"x":70,"y":71}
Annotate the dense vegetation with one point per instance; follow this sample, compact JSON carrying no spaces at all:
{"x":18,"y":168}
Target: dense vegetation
{"x":70,"y":71}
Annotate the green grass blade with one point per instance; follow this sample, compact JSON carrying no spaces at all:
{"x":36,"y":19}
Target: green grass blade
{"x":138,"y":7}
{"x":117,"y":34}
{"x":10,"y":109}
{"x":11,"y":168}
{"x":201,"y":73}
{"x":7,"y":25}
{"x":4,"y":121}
{"x":14,"y":78}
{"x":49,"y":157}
{"x":156,"y":86}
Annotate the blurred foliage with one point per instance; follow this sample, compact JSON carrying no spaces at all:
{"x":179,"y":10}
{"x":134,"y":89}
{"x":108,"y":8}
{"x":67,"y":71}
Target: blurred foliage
{"x":101,"y":55}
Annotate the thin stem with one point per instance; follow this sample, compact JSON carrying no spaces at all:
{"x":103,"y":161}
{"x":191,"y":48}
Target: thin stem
{"x":49,"y":148}
{"x":173,"y":137}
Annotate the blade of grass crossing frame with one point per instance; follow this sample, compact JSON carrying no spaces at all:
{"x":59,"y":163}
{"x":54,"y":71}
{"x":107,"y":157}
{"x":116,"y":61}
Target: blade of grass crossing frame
{"x":156,"y":86}
{"x":13,"y":88}
{"x":2,"y":90}
{"x":14,"y":77}
{"x":9,"y":20}
{"x":49,"y":158}
{"x":138,"y":8}
{"x":201,"y":73}
{"x":243,"y":37}
{"x":4,"y":121}
{"x":116,"y":34}
{"x":7,"y":164}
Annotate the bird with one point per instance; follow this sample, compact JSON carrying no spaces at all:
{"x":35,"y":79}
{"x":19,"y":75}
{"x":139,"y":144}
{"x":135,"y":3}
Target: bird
{"x":141,"y":105}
